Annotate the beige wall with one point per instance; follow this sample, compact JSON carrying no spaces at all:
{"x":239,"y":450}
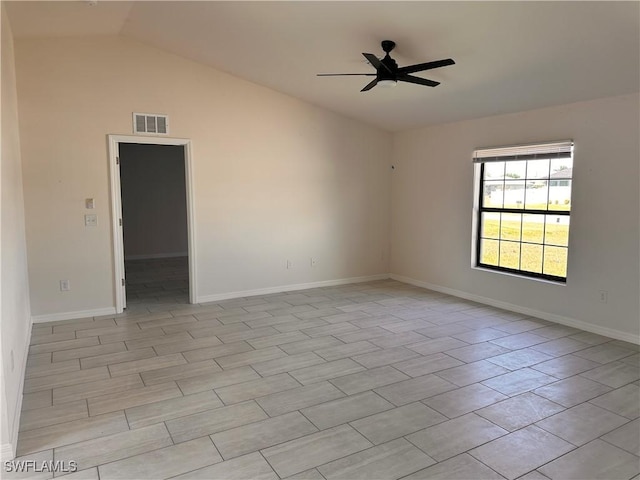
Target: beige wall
{"x":274,"y":178}
{"x":432,"y":199}
{"x":278,"y":179}
{"x":16,"y":318}
{"x":154,"y":201}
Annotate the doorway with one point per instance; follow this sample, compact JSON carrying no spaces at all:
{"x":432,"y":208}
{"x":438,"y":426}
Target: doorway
{"x":152,"y":220}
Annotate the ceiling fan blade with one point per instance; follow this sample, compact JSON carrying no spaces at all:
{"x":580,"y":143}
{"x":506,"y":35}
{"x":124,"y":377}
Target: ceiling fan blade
{"x":343,"y":74}
{"x":419,"y":67}
{"x":375,"y":61}
{"x":370,"y":85}
{"x":418,"y":80}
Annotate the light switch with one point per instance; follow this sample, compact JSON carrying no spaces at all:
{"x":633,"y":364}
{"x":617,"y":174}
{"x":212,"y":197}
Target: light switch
{"x":91,"y":220}
{"x":90,"y":203}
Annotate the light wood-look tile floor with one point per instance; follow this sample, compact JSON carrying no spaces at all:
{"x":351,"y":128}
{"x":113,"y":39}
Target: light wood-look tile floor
{"x":378,"y":380}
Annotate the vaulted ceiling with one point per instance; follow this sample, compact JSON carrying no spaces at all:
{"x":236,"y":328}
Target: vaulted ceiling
{"x":510,"y":56}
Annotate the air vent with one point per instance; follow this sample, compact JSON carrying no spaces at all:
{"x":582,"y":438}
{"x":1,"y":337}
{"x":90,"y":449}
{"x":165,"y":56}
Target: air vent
{"x":150,"y":124}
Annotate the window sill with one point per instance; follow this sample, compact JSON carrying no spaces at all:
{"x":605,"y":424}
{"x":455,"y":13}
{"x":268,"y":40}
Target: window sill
{"x":523,"y":277}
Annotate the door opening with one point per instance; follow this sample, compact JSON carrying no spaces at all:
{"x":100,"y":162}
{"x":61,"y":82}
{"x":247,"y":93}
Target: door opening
{"x":153,"y":221}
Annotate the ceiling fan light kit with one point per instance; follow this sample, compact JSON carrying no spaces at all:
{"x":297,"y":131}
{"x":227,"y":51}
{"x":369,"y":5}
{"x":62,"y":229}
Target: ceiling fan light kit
{"x":388,"y":74}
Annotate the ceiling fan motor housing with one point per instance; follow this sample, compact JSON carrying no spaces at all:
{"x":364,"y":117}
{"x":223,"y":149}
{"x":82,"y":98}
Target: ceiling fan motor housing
{"x":389,"y":73}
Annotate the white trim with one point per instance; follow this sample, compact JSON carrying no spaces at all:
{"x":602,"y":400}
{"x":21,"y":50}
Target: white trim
{"x":571,"y":322}
{"x":116,"y":211}
{"x":475,"y":220}
{"x":8,"y":450}
{"x":54,"y":317}
{"x":116,"y":230}
{"x":191,"y":222}
{"x":291,"y":288}
{"x":156,"y":255}
{"x":521,"y":277}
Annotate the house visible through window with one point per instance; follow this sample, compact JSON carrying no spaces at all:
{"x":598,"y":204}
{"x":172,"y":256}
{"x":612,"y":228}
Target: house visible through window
{"x":524,"y":209}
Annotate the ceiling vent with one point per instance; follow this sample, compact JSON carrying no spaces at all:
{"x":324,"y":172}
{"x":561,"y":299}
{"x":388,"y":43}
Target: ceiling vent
{"x":150,"y":124}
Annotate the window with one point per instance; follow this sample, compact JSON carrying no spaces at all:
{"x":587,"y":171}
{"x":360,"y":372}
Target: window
{"x":524,"y":209}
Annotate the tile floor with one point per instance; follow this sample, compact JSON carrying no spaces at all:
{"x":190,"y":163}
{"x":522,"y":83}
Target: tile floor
{"x":378,"y":380}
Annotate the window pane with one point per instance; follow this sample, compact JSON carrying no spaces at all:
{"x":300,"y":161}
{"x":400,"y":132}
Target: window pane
{"x":531,"y":260}
{"x":490,"y":225}
{"x":514,"y":194}
{"x":516,"y":169}
{"x":562,"y":167}
{"x":537,"y":169}
{"x":510,"y":226}
{"x":555,"y":261}
{"x":533,"y":228}
{"x":492,"y":194}
{"x":510,"y":254}
{"x":494,"y":170}
{"x":557,"y":230}
{"x":560,"y":194}
{"x":536,"y":194}
{"x":489,"y":252}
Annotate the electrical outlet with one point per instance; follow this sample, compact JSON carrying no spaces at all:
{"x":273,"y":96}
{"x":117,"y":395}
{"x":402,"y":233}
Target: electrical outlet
{"x":289,"y":264}
{"x":314,"y":262}
{"x":65,"y":286}
{"x":91,"y":220}
{"x":604,"y":296}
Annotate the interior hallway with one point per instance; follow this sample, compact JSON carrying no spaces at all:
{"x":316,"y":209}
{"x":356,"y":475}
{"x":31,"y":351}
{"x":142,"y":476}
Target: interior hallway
{"x":157,"y":281}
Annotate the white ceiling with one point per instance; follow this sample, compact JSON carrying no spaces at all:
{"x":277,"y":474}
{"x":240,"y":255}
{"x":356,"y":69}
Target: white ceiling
{"x":510,"y":56}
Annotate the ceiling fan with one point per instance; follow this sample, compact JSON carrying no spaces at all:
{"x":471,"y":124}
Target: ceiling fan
{"x":389,"y":74}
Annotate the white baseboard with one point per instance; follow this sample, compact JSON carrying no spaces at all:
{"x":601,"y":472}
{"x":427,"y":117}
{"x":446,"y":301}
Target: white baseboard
{"x":7,"y":452}
{"x":571,"y":322}
{"x":156,"y":255}
{"x":290,"y":288}
{"x":53,"y":317}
